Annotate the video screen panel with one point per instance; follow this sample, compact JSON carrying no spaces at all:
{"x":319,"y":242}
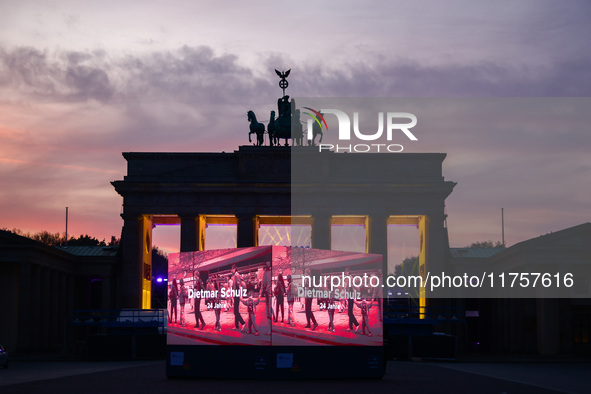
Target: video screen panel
{"x":274,"y":296}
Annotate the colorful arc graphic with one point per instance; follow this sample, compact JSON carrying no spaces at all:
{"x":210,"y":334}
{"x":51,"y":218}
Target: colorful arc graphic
{"x":319,"y":115}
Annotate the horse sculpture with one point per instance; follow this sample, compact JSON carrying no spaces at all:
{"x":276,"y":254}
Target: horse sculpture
{"x":297,"y":132}
{"x":272,"y":130}
{"x":316,"y":130}
{"x":256,"y":128}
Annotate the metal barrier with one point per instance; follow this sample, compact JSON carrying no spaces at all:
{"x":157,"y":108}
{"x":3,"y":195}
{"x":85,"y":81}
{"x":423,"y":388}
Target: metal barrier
{"x":119,"y":317}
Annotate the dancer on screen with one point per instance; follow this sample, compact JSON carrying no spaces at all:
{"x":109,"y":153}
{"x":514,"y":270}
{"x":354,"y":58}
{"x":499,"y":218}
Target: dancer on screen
{"x":217,"y":302}
{"x":239,"y":322}
{"x":198,"y":287}
{"x":365,"y":307}
{"x":350,"y":304}
{"x":182,"y":300}
{"x":291,"y":290}
{"x":251,"y":304}
{"x":330,"y":307}
{"x":267,"y":290}
{"x":172,"y":297}
{"x":309,"y":314}
{"x":279,"y":293}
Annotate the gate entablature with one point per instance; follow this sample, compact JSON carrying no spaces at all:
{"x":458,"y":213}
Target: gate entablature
{"x":254,"y":185}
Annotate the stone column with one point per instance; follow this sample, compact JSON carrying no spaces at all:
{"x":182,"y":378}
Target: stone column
{"x":378,"y":242}
{"x":548,"y":324}
{"x":53,"y":323}
{"x":26,"y":303}
{"x":246,"y":230}
{"x":70,"y":294}
{"x":437,"y":244}
{"x":63,"y":310}
{"x":132,"y":243}
{"x":321,"y":231}
{"x":44,"y":318}
{"x":189,"y":233}
{"x":106,"y":299}
{"x":437,"y":252}
{"x":36,"y":298}
{"x":378,"y":236}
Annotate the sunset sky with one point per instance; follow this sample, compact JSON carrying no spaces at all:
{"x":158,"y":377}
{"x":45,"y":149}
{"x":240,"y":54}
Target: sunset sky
{"x":83,"y":81}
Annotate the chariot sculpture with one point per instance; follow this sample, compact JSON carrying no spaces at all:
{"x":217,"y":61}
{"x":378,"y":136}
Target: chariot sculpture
{"x":286,"y":125}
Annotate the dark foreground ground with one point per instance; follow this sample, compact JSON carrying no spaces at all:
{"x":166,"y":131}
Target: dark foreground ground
{"x":401,"y":377}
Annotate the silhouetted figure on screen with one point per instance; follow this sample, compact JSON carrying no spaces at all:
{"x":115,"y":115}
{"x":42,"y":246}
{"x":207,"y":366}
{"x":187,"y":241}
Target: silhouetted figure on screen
{"x":198,"y":287}
{"x":279,"y":292}
{"x":291,"y":290}
{"x":365,"y":307}
{"x":251,"y":305}
{"x":173,"y":296}
{"x":309,"y":314}
{"x":216,"y":301}
{"x":350,"y":303}
{"x":330,"y":307}
{"x":236,"y":285}
{"x":267,"y":290}
{"x":182,"y":301}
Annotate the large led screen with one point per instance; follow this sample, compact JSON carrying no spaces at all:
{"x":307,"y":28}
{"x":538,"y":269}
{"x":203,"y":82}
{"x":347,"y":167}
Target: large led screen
{"x":274,"y":295}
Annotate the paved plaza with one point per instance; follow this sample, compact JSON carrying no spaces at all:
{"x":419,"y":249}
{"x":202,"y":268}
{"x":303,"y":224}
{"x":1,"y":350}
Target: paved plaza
{"x":401,"y":377}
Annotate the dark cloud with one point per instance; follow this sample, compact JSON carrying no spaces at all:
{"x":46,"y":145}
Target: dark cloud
{"x":192,"y":96}
{"x":88,"y":83}
{"x":403,"y":78}
{"x":33,"y":74}
{"x":197,"y":76}
{"x":26,"y":70}
{"x":190,"y":75}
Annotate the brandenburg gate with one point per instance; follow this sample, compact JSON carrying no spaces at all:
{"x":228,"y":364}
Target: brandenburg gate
{"x":258,"y":185}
